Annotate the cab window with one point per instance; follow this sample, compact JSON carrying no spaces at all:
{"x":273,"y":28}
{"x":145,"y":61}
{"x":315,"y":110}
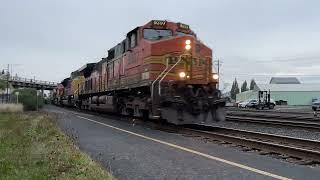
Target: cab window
{"x":156,"y":34}
{"x":133,"y":40}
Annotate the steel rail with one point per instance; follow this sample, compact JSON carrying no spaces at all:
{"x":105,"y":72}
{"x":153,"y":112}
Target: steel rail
{"x":281,"y":122}
{"x":292,"y":147}
{"x":273,"y":115}
{"x":268,"y":111}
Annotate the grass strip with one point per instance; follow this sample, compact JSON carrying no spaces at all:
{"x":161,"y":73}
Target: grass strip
{"x":32,"y":147}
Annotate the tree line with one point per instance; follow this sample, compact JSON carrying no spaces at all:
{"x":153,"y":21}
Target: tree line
{"x":244,"y":87}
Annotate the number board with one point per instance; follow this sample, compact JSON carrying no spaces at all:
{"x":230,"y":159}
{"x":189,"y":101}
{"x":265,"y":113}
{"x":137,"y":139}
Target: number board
{"x":183,"y":26}
{"x":159,"y":23}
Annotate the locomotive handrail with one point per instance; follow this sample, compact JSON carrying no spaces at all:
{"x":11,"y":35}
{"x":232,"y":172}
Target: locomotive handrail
{"x":180,"y":58}
{"x":152,"y":85}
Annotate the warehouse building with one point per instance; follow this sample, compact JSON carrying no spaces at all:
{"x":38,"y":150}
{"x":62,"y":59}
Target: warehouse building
{"x":285,"y":91}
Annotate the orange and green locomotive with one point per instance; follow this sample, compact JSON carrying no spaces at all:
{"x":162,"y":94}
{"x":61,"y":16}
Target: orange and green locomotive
{"x":161,"y":70}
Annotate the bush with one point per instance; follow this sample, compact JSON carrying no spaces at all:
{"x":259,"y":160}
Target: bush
{"x":3,"y":84}
{"x":28,"y":97}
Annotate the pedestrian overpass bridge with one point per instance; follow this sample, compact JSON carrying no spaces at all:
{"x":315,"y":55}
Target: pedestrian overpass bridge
{"x":19,"y":82}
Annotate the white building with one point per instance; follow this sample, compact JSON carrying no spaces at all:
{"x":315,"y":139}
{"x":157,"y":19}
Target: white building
{"x":285,"y":91}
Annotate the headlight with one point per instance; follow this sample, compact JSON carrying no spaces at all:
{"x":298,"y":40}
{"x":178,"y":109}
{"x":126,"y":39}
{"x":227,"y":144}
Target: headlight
{"x":215,"y":76}
{"x":182,"y":74}
{"x":188,"y":45}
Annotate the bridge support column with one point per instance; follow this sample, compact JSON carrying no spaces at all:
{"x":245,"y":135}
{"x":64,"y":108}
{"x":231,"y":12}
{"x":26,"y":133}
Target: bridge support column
{"x":42,"y":92}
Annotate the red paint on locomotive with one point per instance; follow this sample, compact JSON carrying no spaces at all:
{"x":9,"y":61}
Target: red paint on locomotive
{"x":137,"y":61}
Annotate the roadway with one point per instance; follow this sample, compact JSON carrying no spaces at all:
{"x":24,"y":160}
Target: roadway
{"x":139,"y":152}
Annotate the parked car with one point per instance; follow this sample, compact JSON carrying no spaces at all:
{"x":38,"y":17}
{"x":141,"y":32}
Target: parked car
{"x":242,"y":104}
{"x":252,"y":103}
{"x":316,"y":104}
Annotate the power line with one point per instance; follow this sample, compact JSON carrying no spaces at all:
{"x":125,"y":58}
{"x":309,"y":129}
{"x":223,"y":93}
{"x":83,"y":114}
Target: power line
{"x":268,"y":75}
{"x":280,"y":60}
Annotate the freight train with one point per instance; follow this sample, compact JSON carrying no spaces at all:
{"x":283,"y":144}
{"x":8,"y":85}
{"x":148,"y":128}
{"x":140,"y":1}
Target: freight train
{"x":160,"y":71}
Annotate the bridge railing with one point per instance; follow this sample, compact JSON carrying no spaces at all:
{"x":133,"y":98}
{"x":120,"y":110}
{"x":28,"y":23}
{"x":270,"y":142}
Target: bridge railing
{"x":32,"y":81}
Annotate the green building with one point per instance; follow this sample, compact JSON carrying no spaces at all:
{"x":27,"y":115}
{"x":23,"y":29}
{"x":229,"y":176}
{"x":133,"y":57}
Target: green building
{"x":287,"y":91}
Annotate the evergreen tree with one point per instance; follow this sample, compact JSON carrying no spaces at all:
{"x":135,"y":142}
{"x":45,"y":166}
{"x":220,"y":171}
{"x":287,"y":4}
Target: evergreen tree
{"x":252,"y":84}
{"x":237,"y":90}
{"x":244,"y":86}
{"x":234,"y":89}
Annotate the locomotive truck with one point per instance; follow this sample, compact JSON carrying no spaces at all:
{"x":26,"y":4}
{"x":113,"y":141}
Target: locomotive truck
{"x":161,"y":71}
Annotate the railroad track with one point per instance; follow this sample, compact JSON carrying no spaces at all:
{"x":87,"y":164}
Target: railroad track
{"x":297,"y":148}
{"x":310,"y":124}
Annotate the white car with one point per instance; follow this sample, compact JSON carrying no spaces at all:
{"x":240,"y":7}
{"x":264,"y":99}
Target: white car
{"x":243,"y":104}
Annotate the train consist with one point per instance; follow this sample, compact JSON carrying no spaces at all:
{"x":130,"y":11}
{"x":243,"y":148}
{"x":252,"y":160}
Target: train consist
{"x":161,"y":70}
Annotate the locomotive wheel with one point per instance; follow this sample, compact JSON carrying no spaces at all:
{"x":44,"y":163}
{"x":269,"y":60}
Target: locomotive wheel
{"x":145,"y":114}
{"x":130,"y":112}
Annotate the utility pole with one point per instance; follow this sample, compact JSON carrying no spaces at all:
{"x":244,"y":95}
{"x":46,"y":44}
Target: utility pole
{"x":218,"y":69}
{"x":17,"y":94}
{"x":37,"y":100}
{"x":8,"y":83}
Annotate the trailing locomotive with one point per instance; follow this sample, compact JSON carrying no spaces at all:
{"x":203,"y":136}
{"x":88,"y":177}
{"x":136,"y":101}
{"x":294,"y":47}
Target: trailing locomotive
{"x":159,"y":71}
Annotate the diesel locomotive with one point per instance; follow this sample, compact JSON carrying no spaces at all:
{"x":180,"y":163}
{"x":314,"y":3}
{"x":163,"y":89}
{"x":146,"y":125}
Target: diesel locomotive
{"x":161,"y":71}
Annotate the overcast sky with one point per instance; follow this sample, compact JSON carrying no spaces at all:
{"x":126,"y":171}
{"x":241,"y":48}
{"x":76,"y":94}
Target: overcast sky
{"x":253,"y":39}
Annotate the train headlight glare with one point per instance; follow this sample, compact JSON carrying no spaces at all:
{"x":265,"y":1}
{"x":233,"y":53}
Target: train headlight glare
{"x":182,"y":74}
{"x":188,"y":42}
{"x":215,"y":76}
{"x":188,"y":47}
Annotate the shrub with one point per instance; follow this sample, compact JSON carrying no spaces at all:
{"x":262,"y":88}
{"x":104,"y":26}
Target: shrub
{"x":2,"y":84}
{"x":28,"y":97}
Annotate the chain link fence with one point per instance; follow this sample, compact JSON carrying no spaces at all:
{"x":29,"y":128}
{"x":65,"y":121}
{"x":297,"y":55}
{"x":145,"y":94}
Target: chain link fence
{"x":8,"y":98}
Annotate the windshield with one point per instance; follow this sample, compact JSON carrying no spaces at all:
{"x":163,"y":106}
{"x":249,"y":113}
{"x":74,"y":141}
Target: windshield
{"x":156,"y":34}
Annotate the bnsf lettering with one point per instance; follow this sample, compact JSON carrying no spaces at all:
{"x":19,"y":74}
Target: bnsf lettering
{"x":159,"y":23}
